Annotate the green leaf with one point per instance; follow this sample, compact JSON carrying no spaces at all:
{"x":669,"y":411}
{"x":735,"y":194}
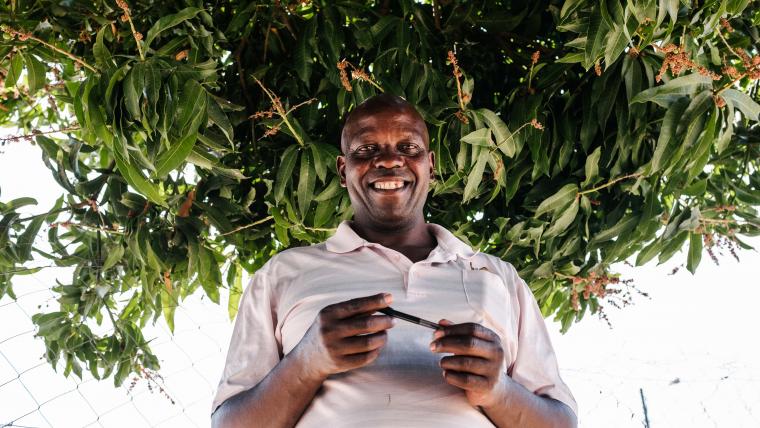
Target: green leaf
{"x":18,"y":203}
{"x":666,"y":140}
{"x":192,"y":107}
{"x":177,"y":153}
{"x":26,"y":239}
{"x":665,"y":95}
{"x":479,"y":137}
{"x":320,"y":162}
{"x":667,"y":6}
{"x":236,"y":289}
{"x":306,"y":181}
{"x":133,"y":86}
{"x":565,"y":219}
{"x":115,"y":254}
{"x":625,"y":224}
{"x":100,"y":51}
{"x":35,"y":70}
{"x":726,"y":133}
{"x":475,"y":176}
{"x":209,"y":274}
{"x":648,"y":252}
{"x":558,"y":200}
{"x":14,"y":71}
{"x":169,"y":305}
{"x":170,"y":21}
{"x":597,"y":34}
{"x":672,"y":246}
{"x":592,"y":168}
{"x":744,"y":103}
{"x":332,"y":190}
{"x":134,"y":177}
{"x":220,"y":119}
{"x":505,"y":140}
{"x":285,"y":171}
{"x":695,"y":252}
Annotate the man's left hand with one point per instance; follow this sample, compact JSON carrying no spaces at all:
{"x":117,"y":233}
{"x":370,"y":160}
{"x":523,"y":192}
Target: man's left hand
{"x":477,"y":363}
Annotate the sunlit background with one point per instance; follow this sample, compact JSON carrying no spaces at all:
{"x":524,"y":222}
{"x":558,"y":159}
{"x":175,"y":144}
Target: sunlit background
{"x":686,"y":355}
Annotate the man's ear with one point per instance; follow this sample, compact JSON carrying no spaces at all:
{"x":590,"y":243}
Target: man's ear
{"x":431,"y":155}
{"x":340,"y":164}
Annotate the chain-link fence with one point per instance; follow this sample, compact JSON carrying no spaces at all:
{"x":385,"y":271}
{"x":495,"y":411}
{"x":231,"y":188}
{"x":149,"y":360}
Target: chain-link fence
{"x":613,"y":373}
{"x":33,"y":395}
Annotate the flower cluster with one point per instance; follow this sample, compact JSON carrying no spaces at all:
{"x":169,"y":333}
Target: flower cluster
{"x":356,"y":74}
{"x":153,"y":378}
{"x":678,"y":60}
{"x":342,"y":64}
{"x":713,"y":241}
{"x":463,"y":98}
{"x":535,"y":57}
{"x":536,"y":124}
{"x":598,"y":286}
{"x":22,"y":35}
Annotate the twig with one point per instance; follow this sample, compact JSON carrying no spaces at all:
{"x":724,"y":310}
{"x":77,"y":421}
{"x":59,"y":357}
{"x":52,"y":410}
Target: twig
{"x":609,"y":183}
{"x":280,"y":110}
{"x":138,"y":36}
{"x":457,"y":75}
{"x":34,"y":134}
{"x":437,"y":14}
{"x":255,"y":223}
{"x":87,"y":227}
{"x":726,"y":43}
{"x":24,"y":36}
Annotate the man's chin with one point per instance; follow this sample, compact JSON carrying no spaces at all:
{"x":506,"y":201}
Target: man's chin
{"x":384,"y":220}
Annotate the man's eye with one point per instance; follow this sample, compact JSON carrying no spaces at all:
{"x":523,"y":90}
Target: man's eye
{"x":409,"y":148}
{"x":365,"y":149}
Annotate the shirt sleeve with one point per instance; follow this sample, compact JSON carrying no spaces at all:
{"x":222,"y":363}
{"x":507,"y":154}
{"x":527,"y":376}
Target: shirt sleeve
{"x":254,"y":349}
{"x":535,"y":366}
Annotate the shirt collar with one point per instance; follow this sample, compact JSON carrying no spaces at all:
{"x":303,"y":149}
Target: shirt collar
{"x":449,"y":246}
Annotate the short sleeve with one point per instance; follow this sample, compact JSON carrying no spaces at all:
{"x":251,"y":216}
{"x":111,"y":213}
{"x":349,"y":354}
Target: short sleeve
{"x":535,"y":366}
{"x":254,"y":350}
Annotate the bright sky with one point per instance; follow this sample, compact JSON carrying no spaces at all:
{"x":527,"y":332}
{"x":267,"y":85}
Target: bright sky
{"x":691,"y":348}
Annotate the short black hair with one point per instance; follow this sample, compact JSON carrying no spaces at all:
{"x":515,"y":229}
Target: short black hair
{"x":377,"y":104}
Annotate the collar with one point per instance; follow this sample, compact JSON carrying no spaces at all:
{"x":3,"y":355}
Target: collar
{"x":449,"y":246}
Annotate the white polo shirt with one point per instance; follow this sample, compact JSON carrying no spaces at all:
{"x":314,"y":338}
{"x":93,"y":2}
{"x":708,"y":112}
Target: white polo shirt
{"x":404,"y":386}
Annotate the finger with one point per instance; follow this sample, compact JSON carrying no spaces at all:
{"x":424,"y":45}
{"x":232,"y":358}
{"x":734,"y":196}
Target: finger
{"x":365,"y":343}
{"x":358,"y":360}
{"x":467,"y":381}
{"x":361,"y":305}
{"x":467,"y":329}
{"x":363,"y":325}
{"x":467,"y":345}
{"x":474,"y":365}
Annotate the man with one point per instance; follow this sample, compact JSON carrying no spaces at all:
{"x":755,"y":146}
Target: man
{"x":307,"y":350}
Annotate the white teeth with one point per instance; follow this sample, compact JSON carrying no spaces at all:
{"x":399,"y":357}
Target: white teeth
{"x":388,"y":185}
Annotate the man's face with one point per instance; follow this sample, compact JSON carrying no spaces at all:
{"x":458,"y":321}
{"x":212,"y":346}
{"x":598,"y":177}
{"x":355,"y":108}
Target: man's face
{"x":386,"y":167}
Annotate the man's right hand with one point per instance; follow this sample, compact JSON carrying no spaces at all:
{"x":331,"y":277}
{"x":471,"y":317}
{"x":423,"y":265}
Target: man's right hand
{"x":346,"y":336}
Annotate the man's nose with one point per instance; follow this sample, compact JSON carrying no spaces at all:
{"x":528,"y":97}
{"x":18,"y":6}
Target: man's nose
{"x":388,"y":158}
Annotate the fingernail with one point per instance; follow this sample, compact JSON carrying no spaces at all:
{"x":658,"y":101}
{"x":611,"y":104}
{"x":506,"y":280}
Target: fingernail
{"x":433,"y":346}
{"x":393,"y":321}
{"x":438,"y":334}
{"x":388,"y":298}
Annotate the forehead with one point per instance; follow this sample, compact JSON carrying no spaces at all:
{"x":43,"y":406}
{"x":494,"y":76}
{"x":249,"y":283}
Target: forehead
{"x":394,"y":122}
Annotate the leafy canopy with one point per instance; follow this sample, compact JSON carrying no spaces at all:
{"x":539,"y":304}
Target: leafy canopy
{"x":192,"y":142}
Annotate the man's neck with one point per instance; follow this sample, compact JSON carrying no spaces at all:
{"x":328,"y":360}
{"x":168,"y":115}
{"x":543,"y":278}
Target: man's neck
{"x":412,"y":241}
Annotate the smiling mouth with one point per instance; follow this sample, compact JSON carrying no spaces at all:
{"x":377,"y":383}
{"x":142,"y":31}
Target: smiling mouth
{"x":389,"y":185}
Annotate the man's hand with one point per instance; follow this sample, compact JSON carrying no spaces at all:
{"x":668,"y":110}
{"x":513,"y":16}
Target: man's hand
{"x":477,"y":363}
{"x":346,"y":336}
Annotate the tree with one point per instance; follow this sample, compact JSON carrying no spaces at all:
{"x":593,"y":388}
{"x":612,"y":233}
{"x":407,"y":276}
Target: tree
{"x":194,"y":141}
